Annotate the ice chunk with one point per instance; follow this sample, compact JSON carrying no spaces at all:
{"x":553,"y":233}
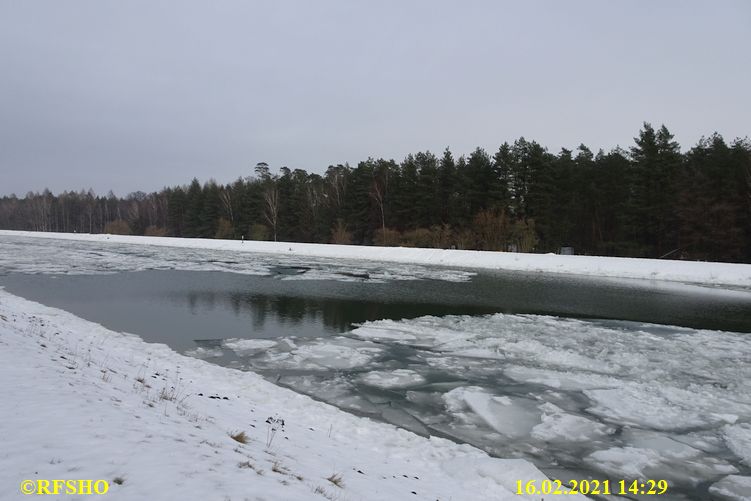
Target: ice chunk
{"x":200,"y":352}
{"x":652,"y":406}
{"x":642,"y":439}
{"x":624,"y":462}
{"x":513,"y":417}
{"x":654,"y":455}
{"x":399,"y":378}
{"x":245,"y":347}
{"x":705,"y":441}
{"x":498,"y":478}
{"x":732,"y":488}
{"x":560,"y":426}
{"x":738,"y":439}
{"x":338,"y":354}
{"x":404,"y":420}
{"x":563,"y":380}
{"x":338,"y":391}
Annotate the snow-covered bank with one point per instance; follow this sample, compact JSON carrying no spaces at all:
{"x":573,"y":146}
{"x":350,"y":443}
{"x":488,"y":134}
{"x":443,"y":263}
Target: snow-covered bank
{"x":728,"y":274}
{"x":83,"y":402}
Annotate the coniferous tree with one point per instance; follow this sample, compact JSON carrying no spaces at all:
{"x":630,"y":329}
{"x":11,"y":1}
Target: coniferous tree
{"x":653,"y":201}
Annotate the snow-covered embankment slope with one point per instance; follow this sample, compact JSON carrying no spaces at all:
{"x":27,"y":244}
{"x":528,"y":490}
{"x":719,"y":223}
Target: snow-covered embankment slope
{"x":82,"y":402}
{"x":728,"y":274}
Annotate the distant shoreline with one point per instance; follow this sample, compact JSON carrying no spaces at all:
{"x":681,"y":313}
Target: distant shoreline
{"x":708,"y":273}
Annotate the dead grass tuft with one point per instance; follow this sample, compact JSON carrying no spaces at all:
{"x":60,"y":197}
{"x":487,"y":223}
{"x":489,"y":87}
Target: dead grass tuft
{"x":250,"y":466}
{"x":240,"y":437}
{"x":277,"y":467}
{"x":337,"y":480}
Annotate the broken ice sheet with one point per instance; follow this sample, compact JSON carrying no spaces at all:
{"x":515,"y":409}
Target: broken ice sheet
{"x":613,"y":398}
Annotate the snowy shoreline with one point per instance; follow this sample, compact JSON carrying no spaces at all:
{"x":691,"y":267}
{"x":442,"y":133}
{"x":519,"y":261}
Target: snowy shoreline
{"x":722,"y":274}
{"x":84,"y":402}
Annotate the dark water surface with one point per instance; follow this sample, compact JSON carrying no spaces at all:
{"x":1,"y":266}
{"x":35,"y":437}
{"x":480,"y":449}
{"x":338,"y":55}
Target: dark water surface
{"x":177,"y":307}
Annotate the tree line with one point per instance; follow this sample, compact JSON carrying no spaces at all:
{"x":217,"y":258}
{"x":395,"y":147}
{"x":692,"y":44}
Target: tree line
{"x":649,"y":201}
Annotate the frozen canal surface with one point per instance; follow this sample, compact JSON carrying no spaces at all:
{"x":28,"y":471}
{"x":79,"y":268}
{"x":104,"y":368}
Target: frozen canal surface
{"x":573,"y":373}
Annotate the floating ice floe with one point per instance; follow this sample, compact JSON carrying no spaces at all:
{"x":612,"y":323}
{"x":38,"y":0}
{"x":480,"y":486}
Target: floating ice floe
{"x":331,"y":353}
{"x":631,"y":399}
{"x":675,"y":459}
{"x":732,"y":488}
{"x":245,"y":347}
{"x":511,"y":416}
{"x":399,"y":378}
{"x":738,"y":439}
{"x":560,"y":426}
{"x":201,"y":352}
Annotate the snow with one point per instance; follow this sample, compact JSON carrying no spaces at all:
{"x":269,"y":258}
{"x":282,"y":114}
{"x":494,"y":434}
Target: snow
{"x":727,"y":274}
{"x":85,"y":402}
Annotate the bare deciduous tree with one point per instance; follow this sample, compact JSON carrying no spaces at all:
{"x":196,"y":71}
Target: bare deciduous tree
{"x":271,"y":208}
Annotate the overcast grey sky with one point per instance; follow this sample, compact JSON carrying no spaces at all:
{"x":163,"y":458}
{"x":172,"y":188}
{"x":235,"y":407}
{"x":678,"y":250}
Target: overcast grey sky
{"x":135,"y":95}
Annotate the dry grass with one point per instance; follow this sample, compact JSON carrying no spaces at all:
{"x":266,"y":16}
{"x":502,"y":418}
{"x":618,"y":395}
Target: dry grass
{"x":279,"y":468}
{"x":328,"y":495}
{"x":240,"y":437}
{"x":336,"y":479}
{"x":251,"y":466}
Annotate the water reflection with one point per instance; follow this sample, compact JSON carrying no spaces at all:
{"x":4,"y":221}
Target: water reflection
{"x":296,"y":312}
